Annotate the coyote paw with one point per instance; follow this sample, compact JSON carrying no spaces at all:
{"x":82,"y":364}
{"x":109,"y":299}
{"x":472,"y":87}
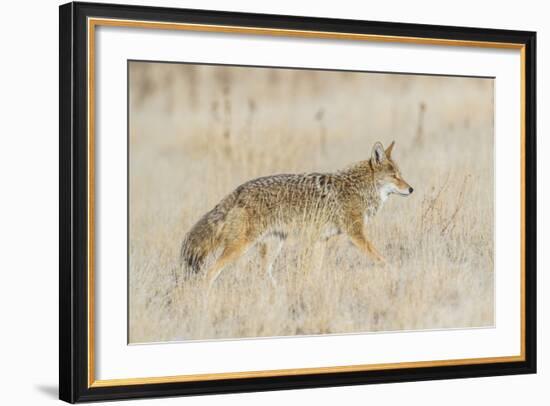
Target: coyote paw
{"x":381,"y":262}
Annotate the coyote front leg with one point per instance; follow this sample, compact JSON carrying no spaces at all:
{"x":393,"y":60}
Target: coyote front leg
{"x":358,"y":238}
{"x":365,"y":245}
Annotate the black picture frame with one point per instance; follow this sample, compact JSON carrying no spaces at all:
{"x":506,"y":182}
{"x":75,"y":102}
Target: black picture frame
{"x":74,"y":199}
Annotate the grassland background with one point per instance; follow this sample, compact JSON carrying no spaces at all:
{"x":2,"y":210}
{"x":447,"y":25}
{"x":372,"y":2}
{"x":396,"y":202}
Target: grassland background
{"x":197,"y":132}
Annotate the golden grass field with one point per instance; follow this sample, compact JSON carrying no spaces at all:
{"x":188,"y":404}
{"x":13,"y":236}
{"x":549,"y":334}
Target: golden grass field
{"x":197,"y":132}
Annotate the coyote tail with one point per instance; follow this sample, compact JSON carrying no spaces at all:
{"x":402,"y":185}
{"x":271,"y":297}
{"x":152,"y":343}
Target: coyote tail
{"x":205,"y":236}
{"x":200,"y":241}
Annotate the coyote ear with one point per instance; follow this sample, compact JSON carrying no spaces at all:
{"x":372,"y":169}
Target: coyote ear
{"x":390,"y":149}
{"x":378,"y":154}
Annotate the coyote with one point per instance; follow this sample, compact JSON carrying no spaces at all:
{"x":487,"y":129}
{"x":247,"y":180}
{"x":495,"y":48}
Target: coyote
{"x":279,"y":205}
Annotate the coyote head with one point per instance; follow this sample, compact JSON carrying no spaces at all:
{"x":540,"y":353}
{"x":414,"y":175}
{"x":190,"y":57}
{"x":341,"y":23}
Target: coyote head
{"x":387,"y":177}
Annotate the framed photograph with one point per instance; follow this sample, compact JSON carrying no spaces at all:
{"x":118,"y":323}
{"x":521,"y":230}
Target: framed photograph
{"x":258,"y":202}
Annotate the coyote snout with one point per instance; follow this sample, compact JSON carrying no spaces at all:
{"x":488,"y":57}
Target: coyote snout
{"x":276,"y":206}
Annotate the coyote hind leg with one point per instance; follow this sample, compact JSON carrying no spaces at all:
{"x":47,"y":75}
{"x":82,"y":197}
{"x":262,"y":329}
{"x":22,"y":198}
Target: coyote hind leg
{"x":232,"y":251}
{"x":269,"y":253}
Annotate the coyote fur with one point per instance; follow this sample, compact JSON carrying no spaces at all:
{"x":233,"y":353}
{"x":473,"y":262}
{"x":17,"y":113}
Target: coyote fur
{"x":276,"y":206}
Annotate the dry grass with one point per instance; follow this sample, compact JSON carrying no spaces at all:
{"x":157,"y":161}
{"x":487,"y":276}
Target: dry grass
{"x":196,"y":132}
